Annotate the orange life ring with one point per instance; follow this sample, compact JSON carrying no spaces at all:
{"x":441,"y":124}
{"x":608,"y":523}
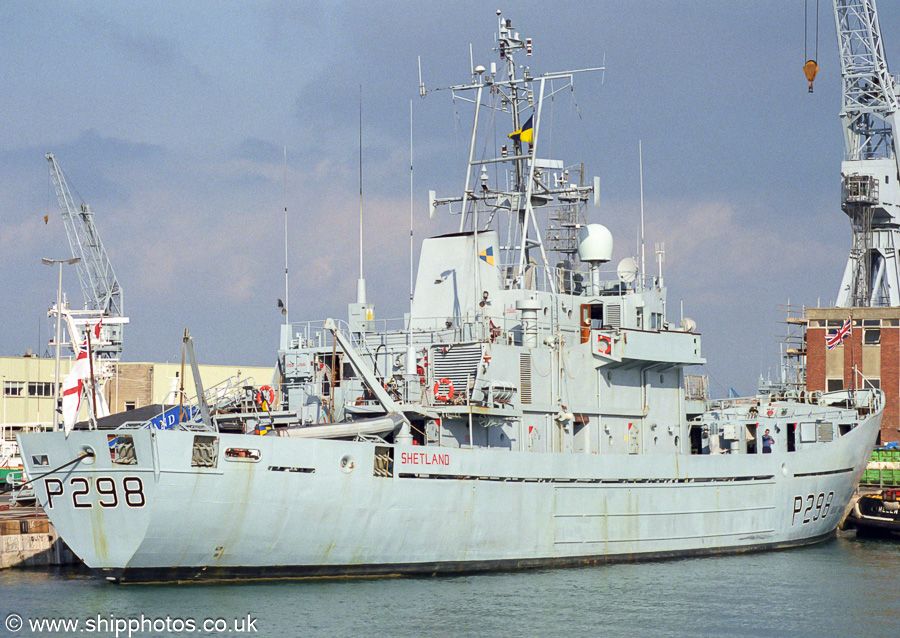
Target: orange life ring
{"x":437,"y":390}
{"x":604,"y":339}
{"x":261,"y":398}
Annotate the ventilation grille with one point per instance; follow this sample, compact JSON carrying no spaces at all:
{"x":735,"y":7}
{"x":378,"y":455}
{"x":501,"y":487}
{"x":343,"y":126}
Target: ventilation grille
{"x":459,"y":364}
{"x":613,"y":314}
{"x":525,"y":377}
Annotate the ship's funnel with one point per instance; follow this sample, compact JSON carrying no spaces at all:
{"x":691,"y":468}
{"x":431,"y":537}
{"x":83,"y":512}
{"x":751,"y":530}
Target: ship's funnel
{"x":529,"y":309}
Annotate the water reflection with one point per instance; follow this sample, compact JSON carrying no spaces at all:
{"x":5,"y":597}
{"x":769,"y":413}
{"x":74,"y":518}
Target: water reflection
{"x":843,"y":587}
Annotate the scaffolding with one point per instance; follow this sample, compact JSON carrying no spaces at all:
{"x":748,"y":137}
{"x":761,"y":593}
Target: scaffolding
{"x":792,"y":347}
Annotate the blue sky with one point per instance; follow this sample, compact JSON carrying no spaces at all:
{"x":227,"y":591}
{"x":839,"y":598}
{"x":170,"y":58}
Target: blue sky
{"x":169,"y":119}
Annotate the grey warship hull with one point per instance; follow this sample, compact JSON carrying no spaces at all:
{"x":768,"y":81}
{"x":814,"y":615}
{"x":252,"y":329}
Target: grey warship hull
{"x":331,"y":508}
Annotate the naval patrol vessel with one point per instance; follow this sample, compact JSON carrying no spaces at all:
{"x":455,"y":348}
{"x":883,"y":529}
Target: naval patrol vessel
{"x":530,"y":410}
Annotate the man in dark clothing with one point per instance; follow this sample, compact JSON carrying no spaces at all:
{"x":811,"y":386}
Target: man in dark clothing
{"x":767,"y":443}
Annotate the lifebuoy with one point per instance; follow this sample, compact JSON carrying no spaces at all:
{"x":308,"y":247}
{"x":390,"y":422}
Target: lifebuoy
{"x":437,"y":390}
{"x":265,"y":395}
{"x":600,"y":341}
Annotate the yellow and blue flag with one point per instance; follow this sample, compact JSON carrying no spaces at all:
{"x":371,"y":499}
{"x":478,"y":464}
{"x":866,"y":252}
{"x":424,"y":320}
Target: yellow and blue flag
{"x":525,"y":133}
{"x":487,"y":255}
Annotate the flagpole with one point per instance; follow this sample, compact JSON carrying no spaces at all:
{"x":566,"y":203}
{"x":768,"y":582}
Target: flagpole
{"x":181,"y":389}
{"x":93,"y":385}
{"x":56,"y":395}
{"x":852,"y":353}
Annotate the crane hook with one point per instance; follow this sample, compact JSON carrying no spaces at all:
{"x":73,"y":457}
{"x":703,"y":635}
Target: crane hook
{"x":810,"y":69}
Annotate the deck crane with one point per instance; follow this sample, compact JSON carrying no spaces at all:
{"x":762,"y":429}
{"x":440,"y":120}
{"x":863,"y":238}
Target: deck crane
{"x":870,"y":172}
{"x":101,"y":290}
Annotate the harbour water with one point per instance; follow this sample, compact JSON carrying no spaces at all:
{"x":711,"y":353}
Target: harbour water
{"x":846,"y":587}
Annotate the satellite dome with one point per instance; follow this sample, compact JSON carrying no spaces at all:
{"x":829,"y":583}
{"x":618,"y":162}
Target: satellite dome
{"x":595,"y":243}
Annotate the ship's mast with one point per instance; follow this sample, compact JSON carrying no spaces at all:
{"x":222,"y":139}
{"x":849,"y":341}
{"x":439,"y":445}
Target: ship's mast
{"x":531,"y":182}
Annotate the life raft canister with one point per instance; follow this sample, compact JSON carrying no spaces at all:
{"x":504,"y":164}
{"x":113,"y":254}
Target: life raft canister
{"x":265,"y":395}
{"x":437,"y":390}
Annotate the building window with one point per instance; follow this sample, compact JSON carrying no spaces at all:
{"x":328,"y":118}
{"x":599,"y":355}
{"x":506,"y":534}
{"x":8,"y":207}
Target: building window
{"x":833,"y":385}
{"x":130,"y":405}
{"x":14,"y":388}
{"x":872,"y":336}
{"x":40,"y":389}
{"x":871,"y":323}
{"x":873,"y":383}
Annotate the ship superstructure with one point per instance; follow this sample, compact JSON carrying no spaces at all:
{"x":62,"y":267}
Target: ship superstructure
{"x":530,"y":410}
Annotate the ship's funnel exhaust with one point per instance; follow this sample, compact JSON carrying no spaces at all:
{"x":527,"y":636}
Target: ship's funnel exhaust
{"x":529,"y":309}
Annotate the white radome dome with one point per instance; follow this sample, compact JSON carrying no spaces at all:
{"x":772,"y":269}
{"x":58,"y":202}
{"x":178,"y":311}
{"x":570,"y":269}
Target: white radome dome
{"x":595,"y":243}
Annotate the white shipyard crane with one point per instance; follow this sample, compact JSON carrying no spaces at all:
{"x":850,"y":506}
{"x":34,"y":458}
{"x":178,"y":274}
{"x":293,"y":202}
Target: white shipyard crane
{"x":870,"y":172}
{"x":101,"y":290}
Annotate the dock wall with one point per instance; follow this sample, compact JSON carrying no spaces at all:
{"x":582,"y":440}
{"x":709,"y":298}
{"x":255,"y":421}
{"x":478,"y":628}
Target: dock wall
{"x":32,"y":542}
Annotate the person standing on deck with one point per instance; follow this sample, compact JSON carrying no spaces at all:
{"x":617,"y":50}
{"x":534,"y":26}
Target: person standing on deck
{"x":767,"y":442}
